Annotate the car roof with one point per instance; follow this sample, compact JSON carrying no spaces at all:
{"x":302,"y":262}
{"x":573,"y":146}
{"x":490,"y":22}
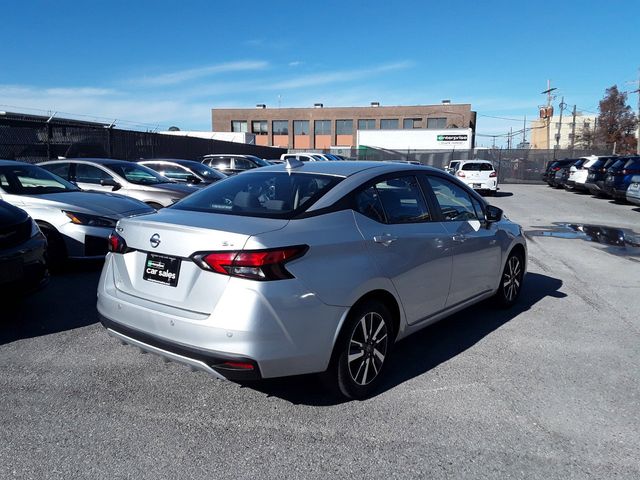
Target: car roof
{"x":244,"y":155}
{"x":179,"y":161}
{"x":346,"y":168}
{"x":99,"y":161}
{"x":4,"y":163}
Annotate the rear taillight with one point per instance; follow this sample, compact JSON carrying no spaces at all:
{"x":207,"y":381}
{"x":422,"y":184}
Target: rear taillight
{"x":117,"y":243}
{"x":251,"y":264}
{"x":492,"y":175}
{"x":460,"y":173}
{"x":630,"y":171}
{"x":555,"y":169}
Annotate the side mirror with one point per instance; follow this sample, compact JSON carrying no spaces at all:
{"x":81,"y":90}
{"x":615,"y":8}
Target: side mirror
{"x":492,"y":214}
{"x":110,"y":182}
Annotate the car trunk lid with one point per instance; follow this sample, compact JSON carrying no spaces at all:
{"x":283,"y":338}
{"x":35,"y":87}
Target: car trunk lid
{"x":165,"y":241}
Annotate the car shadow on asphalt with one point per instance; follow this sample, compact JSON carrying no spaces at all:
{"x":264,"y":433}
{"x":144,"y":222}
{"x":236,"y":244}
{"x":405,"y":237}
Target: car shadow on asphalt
{"x":67,"y":302}
{"x":424,"y":350}
{"x":503,"y":194}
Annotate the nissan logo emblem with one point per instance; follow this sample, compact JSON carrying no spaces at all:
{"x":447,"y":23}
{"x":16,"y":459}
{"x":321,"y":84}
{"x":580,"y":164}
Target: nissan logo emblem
{"x":154,"y":240}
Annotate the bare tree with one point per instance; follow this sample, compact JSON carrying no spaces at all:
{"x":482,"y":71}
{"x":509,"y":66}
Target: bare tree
{"x":616,"y":122}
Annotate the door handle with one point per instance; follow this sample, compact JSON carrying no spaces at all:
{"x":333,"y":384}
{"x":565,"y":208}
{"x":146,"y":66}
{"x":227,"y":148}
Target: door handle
{"x":458,"y":238}
{"x":385,"y":239}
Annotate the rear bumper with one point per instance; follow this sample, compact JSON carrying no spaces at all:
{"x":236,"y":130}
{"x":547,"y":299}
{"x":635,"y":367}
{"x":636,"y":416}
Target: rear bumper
{"x":619,"y":194}
{"x":633,"y":199}
{"x":283,"y":329}
{"x":210,"y":362}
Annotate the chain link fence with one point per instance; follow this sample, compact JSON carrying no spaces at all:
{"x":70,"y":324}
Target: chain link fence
{"x":34,"y":139}
{"x":512,"y":166}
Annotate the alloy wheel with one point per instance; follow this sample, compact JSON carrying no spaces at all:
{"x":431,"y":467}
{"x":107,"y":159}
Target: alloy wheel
{"x":512,"y":278}
{"x":367,"y":348}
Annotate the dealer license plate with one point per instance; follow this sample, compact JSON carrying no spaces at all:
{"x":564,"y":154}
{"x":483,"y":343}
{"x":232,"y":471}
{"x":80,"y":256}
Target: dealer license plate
{"x":161,"y":269}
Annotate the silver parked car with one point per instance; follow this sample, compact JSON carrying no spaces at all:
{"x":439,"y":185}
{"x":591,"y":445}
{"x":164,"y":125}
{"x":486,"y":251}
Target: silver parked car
{"x":185,"y":171}
{"x":233,"y":163}
{"x":77,"y":224}
{"x":126,"y":178}
{"x":307,"y":267}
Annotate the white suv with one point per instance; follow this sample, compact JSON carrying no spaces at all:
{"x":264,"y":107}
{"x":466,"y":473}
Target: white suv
{"x":579,"y":172}
{"x":478,"y":174}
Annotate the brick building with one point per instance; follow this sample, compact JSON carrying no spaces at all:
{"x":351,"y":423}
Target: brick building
{"x":321,"y":128}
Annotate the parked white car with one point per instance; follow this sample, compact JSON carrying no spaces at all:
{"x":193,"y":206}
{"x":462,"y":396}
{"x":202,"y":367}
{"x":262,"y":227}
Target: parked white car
{"x":304,"y":157}
{"x":579,"y":172}
{"x":478,"y":174}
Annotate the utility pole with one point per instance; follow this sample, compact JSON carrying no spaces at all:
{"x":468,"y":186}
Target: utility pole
{"x":510,"y":138}
{"x":637,"y":84}
{"x":548,"y":110}
{"x":562,"y":105}
{"x":524,"y":131}
{"x":573,"y":129}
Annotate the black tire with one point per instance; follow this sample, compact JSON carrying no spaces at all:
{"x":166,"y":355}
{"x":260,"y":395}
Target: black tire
{"x":511,"y":280}
{"x":56,"y":254}
{"x":362,"y":350}
{"x":155,"y":205}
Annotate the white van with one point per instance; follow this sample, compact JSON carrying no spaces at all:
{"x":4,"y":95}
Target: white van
{"x":478,"y":174}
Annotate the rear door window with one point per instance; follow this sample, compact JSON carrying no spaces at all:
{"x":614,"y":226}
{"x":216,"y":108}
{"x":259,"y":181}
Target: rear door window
{"x":394,"y":200}
{"x":90,"y":174}
{"x":242,"y":163}
{"x":60,"y":169}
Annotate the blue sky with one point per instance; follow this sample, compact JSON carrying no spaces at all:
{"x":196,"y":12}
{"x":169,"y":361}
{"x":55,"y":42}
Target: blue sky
{"x":168,"y":63}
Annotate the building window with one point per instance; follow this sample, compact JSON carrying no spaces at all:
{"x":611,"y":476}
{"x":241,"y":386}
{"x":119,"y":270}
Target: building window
{"x":280,"y":127}
{"x":301,"y":127}
{"x":238,"y":125}
{"x":366,"y":124}
{"x":389,"y":124}
{"x":437,"y":122}
{"x":344,"y":127}
{"x":408,"y":123}
{"x":322,"y":127}
{"x":259,"y":127}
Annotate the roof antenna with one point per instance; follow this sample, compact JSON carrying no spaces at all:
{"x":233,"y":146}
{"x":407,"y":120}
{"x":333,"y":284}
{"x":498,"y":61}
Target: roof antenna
{"x":291,"y":163}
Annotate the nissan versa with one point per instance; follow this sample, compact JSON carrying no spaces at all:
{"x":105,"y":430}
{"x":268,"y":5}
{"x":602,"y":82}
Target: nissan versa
{"x":307,"y":267}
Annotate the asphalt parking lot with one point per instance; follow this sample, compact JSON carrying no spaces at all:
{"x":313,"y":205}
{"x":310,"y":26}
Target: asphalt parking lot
{"x":548,"y":389}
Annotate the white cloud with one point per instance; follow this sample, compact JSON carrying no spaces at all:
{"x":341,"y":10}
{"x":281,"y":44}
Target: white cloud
{"x":180,"y":76}
{"x":295,"y":63}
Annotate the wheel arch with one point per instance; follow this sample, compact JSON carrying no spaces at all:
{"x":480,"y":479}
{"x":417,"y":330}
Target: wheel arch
{"x":381,"y":295}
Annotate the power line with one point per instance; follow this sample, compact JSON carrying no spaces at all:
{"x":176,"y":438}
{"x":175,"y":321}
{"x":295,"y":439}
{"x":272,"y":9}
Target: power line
{"x":92,"y":117}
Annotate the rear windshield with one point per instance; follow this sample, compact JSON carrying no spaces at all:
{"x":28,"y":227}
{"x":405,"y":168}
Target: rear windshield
{"x":261,"y":194}
{"x":619,"y":163}
{"x":579,"y":162}
{"x":483,"y":167}
{"x":632,"y":162}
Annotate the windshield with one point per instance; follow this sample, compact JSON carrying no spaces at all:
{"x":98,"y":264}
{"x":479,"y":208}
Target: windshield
{"x":260,"y":194}
{"x":258,"y":160}
{"x":32,"y":180}
{"x":137,"y":174}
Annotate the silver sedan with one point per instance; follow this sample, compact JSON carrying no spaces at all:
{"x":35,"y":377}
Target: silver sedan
{"x":307,"y":267}
{"x":77,"y":224}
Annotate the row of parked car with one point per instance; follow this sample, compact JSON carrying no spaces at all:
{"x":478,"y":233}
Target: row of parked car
{"x":65,"y":209}
{"x":617,"y":177}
